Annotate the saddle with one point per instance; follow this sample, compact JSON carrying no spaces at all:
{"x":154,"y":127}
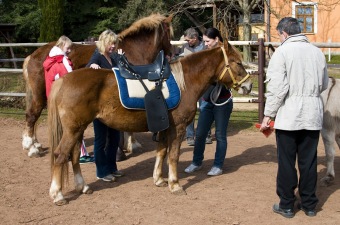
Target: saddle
{"x":155,"y":105}
{"x":159,"y":69}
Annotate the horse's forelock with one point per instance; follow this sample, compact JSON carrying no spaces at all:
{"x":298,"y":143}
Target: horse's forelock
{"x":147,"y":23}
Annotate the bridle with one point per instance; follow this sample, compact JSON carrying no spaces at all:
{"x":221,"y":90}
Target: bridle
{"x":236,"y":84}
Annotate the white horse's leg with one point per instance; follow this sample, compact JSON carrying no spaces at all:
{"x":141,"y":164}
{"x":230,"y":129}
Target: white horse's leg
{"x":160,"y":156}
{"x":55,"y":189}
{"x":328,"y":137}
{"x":80,"y":184}
{"x":30,"y":143}
{"x":130,"y":142}
{"x":79,"y":181}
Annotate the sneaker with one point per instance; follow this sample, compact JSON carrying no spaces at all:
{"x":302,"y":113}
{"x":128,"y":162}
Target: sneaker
{"x":190,"y":141}
{"x":208,"y":140}
{"x":309,"y":213}
{"x":108,"y":178}
{"x":86,"y":159}
{"x":215,"y":171}
{"x":191,"y":168}
{"x":117,"y":173}
{"x":288,"y":213}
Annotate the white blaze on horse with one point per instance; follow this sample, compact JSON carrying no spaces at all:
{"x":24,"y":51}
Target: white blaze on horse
{"x":95,"y":95}
{"x":331,"y":126}
{"x":158,"y":29}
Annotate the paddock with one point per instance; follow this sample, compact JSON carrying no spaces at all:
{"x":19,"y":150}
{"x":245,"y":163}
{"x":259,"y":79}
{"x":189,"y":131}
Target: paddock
{"x":244,"y":194}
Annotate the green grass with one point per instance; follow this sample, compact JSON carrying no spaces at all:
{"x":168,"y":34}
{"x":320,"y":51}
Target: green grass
{"x":12,"y":82}
{"x":335,"y":59}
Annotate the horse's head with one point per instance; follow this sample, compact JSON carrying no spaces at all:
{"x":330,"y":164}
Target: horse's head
{"x":233,"y":71}
{"x":143,"y":40}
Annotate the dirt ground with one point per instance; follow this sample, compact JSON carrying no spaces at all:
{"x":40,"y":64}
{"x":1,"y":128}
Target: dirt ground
{"x":243,"y":194}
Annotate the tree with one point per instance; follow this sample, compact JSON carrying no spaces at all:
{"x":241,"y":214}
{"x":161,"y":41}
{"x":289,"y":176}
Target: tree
{"x":241,"y":8}
{"x":52,"y":19}
{"x":25,"y":15}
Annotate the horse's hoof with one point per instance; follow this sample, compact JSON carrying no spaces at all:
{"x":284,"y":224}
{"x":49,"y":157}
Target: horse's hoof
{"x":326,"y":181}
{"x":33,"y":152}
{"x":61,"y":202}
{"x":161,"y":184}
{"x":88,"y":192}
{"x":179,"y":191}
{"x":120,"y":156}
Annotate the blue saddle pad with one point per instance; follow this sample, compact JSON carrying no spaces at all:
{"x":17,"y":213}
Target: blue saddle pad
{"x":131,"y":92}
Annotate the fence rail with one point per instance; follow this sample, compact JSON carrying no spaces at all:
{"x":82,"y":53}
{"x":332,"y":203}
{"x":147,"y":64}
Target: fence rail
{"x":260,"y":43}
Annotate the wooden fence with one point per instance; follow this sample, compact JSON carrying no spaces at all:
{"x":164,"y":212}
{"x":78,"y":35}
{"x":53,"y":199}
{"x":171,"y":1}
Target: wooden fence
{"x":260,"y":44}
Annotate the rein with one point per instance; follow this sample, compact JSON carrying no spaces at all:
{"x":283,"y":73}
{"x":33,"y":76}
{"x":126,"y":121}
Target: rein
{"x":236,"y":84}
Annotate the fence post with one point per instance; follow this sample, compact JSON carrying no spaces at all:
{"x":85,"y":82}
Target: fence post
{"x":261,"y":55}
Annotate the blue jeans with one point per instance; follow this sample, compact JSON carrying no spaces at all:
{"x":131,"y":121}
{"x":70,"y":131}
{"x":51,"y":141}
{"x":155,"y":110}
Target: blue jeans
{"x":208,"y":113}
{"x":106,"y":141}
{"x":190,"y":130}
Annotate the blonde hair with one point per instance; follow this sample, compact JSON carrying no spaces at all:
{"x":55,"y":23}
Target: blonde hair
{"x":107,"y":37}
{"x":62,"y":41}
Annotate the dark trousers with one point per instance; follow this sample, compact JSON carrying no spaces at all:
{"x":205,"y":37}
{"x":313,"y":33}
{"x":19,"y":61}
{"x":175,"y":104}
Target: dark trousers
{"x":106,"y":141}
{"x":303,"y":145}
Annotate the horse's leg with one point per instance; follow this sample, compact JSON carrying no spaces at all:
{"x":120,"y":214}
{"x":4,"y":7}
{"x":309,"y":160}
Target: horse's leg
{"x":160,"y":156}
{"x":59,"y":168}
{"x":130,"y":142}
{"x":56,"y":184}
{"x":29,"y":141}
{"x":174,"y":151}
{"x":35,"y":102}
{"x":80,"y":184}
{"x":328,"y":137}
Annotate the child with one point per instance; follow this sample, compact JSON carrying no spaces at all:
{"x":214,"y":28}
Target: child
{"x":57,"y":65}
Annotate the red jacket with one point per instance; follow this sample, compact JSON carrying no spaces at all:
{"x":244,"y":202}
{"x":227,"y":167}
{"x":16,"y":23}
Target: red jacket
{"x":54,"y":67}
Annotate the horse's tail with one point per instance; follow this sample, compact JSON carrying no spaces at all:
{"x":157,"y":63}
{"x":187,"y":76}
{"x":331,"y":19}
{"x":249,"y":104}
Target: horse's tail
{"x":26,"y":78}
{"x":55,"y":130}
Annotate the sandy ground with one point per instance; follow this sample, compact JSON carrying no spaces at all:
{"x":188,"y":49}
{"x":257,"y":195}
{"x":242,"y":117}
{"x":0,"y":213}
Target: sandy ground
{"x":243,"y":194}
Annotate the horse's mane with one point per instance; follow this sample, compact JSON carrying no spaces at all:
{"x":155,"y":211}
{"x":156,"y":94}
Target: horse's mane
{"x":147,"y":23}
{"x":177,"y":71}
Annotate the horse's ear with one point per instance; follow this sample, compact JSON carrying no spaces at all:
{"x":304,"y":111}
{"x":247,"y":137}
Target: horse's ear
{"x":169,"y":18}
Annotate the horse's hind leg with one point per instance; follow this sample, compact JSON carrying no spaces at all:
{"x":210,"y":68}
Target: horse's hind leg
{"x":34,"y":107}
{"x":328,"y":137}
{"x":56,"y":185}
{"x":80,"y":184}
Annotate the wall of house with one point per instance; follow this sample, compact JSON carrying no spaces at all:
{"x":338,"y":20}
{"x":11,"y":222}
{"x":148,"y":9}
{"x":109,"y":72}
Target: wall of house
{"x":327,"y":25}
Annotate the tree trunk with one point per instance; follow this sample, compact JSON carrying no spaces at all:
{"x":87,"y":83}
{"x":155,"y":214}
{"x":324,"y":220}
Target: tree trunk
{"x":51,"y":27}
{"x":246,"y":35}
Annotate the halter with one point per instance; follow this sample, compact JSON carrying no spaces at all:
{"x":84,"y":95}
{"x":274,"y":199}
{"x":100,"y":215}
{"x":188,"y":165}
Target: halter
{"x":236,"y":84}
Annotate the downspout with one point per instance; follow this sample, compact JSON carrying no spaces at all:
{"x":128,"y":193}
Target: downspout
{"x":268,"y":20}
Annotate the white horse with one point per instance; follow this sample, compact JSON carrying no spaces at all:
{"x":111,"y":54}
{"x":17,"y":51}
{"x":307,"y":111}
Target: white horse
{"x":331,"y":126}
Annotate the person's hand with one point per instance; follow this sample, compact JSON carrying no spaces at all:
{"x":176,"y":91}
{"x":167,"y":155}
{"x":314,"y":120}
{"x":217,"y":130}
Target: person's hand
{"x":94,"y":66}
{"x":120,"y":51}
{"x":265,"y":123}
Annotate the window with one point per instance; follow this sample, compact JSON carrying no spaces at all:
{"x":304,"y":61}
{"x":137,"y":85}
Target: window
{"x":306,"y":14}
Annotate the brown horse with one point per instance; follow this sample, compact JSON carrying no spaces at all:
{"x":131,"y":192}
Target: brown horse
{"x":86,"y":94}
{"x":152,"y":33}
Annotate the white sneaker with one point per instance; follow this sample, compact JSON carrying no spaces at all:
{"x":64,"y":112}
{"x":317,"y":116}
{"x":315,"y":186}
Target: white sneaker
{"x":108,"y":178}
{"x":215,"y":171}
{"x":191,"y":168}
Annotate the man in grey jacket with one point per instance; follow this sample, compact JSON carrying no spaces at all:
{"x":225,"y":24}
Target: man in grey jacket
{"x":296,"y":76}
